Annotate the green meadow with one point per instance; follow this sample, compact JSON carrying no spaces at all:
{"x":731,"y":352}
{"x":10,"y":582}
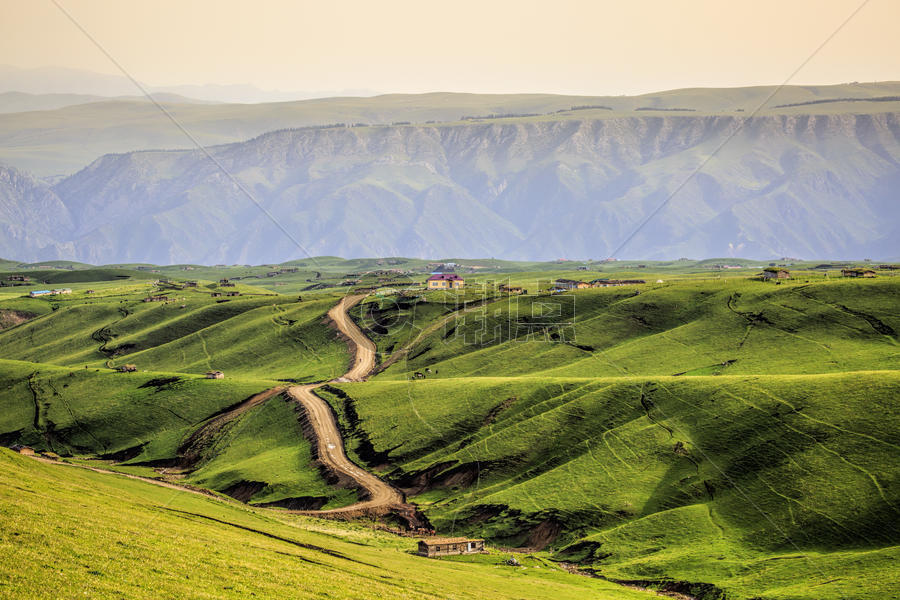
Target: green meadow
{"x":702,"y":479}
{"x":704,"y":432}
{"x":113,"y":537}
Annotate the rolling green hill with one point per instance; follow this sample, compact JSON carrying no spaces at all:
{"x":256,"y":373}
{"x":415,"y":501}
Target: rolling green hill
{"x":701,"y":479}
{"x":725,"y":326}
{"x":711,"y":434}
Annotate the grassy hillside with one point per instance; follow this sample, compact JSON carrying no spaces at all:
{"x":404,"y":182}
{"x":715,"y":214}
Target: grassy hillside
{"x":259,"y":455}
{"x":114,"y":537}
{"x":701,"y":479}
{"x":262,"y":336}
{"x":727,"y":326}
{"x":265,"y":458}
{"x":719,"y":436}
{"x":92,"y":411}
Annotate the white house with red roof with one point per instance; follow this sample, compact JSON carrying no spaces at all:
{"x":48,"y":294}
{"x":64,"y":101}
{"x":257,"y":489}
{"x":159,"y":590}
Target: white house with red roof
{"x":445,"y":281}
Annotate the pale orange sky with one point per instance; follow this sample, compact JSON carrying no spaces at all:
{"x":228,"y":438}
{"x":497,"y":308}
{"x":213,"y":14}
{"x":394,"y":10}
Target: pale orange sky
{"x":559,"y":46}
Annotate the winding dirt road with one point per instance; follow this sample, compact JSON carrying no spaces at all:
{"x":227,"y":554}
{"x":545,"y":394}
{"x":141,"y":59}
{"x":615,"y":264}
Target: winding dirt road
{"x":382,"y":497}
{"x":363,"y":347}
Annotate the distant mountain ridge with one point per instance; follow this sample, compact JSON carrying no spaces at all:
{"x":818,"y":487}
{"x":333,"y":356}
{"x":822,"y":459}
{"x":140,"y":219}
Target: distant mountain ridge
{"x":62,"y":141}
{"x":794,"y":185}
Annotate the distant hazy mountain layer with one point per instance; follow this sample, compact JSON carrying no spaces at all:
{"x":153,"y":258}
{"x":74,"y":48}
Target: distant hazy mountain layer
{"x":798,"y":185}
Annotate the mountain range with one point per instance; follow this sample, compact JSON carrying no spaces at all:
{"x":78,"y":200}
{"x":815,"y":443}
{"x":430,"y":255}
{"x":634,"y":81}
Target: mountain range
{"x":813,"y":173}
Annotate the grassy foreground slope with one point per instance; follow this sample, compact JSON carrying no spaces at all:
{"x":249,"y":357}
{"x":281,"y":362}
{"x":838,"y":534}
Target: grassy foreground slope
{"x":114,"y":537}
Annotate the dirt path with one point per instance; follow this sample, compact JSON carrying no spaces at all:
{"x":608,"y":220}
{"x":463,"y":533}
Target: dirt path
{"x":382,"y":498}
{"x":330,"y":451}
{"x":363,"y":347}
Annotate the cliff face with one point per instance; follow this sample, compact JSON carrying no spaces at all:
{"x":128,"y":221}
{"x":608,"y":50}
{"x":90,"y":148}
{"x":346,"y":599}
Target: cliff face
{"x":810,"y":186}
{"x":31,"y":215}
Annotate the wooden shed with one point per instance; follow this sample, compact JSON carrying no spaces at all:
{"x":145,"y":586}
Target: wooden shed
{"x":449,"y":546}
{"x":775,"y":274}
{"x":215,"y":375}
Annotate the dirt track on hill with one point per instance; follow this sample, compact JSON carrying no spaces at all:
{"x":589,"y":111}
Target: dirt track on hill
{"x":382,"y":498}
{"x":363,"y":348}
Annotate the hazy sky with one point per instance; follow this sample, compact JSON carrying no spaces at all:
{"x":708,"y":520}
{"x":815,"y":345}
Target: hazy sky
{"x":561,"y":46}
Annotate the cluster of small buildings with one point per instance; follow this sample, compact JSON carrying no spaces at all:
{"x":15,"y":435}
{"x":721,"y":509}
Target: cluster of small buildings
{"x":512,"y":289}
{"x":857,"y":273}
{"x":281,"y":271}
{"x":36,"y":293}
{"x":561,"y":285}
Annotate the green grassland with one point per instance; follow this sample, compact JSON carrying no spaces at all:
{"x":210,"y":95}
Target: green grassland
{"x":734,"y":437}
{"x":113,"y":537}
{"x":60,"y":394}
{"x":701,"y":479}
{"x":267,"y":446}
{"x":264,"y":336}
{"x":144,"y":418}
{"x":733,"y":325}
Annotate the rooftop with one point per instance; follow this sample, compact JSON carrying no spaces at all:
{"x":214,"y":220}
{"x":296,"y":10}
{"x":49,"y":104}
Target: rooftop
{"x":454,"y":540}
{"x":447,"y":276}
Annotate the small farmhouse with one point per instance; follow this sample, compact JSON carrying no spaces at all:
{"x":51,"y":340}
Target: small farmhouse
{"x":215,"y":375}
{"x":775,"y":274}
{"x":36,"y":293}
{"x":26,"y":450}
{"x":155,"y":299}
{"x":18,"y":278}
{"x":62,"y":291}
{"x":445,"y":281}
{"x":127,"y":368}
{"x":857,"y":272}
{"x":449,"y":546}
